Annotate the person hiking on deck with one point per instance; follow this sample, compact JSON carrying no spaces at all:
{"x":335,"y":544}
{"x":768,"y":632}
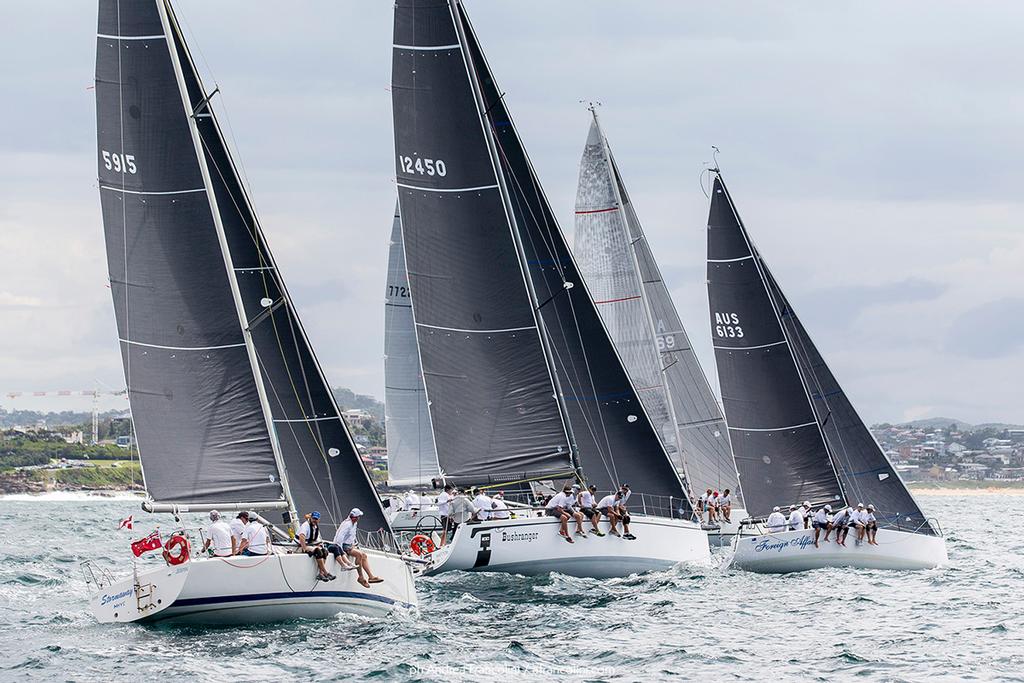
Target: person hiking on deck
{"x":708,"y":507}
{"x":820,"y":522}
{"x":587,"y":500}
{"x":311,"y":544}
{"x":725,"y":506}
{"x":482,"y":506}
{"x":345,"y":544}
{"x":623,"y":512}
{"x":560,"y":507}
{"x":871,"y":524}
{"x":860,"y":522}
{"x":238,"y":525}
{"x":716,"y":505}
{"x":607,"y":506}
{"x":444,"y":500}
{"x":805,"y":510}
{"x":796,"y":518}
{"x":219,"y":540}
{"x":841,"y":524}
{"x":776,"y":521}
{"x":257,"y":538}
{"x":499,"y":509}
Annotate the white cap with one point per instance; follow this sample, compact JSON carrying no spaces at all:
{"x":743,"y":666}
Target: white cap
{"x":356,"y":512}
{"x":807,"y":503}
{"x":871,"y":507}
{"x":792,"y":507}
{"x":860,"y":505}
{"x":828,"y":508}
{"x":775,"y":509}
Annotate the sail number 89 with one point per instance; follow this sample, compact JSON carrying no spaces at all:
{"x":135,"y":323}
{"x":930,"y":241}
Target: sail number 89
{"x":119,"y":163}
{"x":422,"y":166}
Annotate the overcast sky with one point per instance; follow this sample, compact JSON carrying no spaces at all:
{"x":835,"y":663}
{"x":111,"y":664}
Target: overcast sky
{"x":874,"y":150}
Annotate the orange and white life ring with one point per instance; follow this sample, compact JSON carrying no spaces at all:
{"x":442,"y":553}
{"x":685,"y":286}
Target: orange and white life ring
{"x":422,"y":544}
{"x":182,"y":556}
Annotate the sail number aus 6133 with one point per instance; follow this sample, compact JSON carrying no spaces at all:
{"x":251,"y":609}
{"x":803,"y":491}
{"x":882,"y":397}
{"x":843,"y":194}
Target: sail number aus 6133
{"x":422,"y":166}
{"x":728,"y":325}
{"x":119,"y":163}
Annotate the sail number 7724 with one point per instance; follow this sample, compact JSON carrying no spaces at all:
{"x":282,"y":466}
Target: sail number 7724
{"x":422,"y":166}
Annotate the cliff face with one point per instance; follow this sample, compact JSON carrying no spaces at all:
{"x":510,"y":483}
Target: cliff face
{"x":123,"y":478}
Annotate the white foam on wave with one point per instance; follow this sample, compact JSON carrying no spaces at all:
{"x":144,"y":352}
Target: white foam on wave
{"x":71,"y":496}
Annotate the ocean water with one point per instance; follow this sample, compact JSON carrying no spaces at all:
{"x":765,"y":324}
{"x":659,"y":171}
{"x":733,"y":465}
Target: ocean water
{"x":961,"y":622}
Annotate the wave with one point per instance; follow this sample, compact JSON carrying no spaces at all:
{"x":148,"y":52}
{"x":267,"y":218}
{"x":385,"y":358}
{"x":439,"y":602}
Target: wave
{"x":71,"y":496}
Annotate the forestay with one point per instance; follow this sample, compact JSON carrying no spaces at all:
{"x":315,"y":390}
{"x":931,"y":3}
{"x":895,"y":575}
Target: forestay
{"x":780,"y":450}
{"x":412,"y":460}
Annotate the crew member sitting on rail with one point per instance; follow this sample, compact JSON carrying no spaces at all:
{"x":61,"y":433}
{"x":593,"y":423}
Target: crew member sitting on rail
{"x":444,"y":500}
{"x":587,"y":500}
{"x":345,"y":544}
{"x":311,"y":544}
{"x":257,"y":539}
{"x":607,"y":507}
{"x":238,"y":525}
{"x":218,"y":535}
{"x":805,"y":510}
{"x":776,"y":521}
{"x":560,"y":506}
{"x":821,"y":522}
{"x":499,"y":509}
{"x":841,"y":523}
{"x":860,"y":522}
{"x":796,"y":518}
{"x":482,"y":506}
{"x":871,"y":524}
{"x":709,"y":505}
{"x":725,"y":506}
{"x":623,"y":513}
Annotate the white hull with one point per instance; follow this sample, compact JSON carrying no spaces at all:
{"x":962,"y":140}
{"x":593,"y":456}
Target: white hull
{"x":247,"y":590}
{"x":794,"y":551}
{"x":532,"y":545}
{"x":725,"y":532}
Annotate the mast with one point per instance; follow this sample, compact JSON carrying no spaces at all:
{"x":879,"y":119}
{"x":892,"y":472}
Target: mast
{"x":646,"y":304}
{"x":228,"y":262}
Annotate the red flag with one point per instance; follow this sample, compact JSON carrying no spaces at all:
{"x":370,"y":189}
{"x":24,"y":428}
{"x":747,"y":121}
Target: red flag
{"x":151,"y":542}
{"x":126,"y":523}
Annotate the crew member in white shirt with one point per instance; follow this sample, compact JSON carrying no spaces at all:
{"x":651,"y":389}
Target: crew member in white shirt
{"x":608,"y":506}
{"x":499,"y":509}
{"x":623,"y":513}
{"x":310,"y":543}
{"x":805,"y":510}
{"x":482,"y":506}
{"x":776,"y":521}
{"x":412,"y":502}
{"x":218,"y":537}
{"x":587,"y":500}
{"x":444,"y":500}
{"x":820,"y":522}
{"x":725,"y":506}
{"x":345,"y":544}
{"x":860,"y":522}
{"x":257,"y":539}
{"x":237,"y":526}
{"x":560,"y":506}
{"x":871,"y":524}
{"x":796,"y":518}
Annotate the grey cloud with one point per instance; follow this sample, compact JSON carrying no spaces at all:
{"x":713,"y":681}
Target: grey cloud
{"x":989,"y":331}
{"x":840,"y":306}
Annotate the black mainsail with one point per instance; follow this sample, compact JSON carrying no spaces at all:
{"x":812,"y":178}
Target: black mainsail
{"x":443,"y":90}
{"x":412,"y":460}
{"x":229,"y":403}
{"x":781,"y":453}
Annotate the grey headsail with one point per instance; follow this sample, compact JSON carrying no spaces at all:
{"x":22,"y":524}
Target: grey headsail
{"x":699,"y":438}
{"x":493,"y":404}
{"x":323,"y":469}
{"x":604,"y":252}
{"x":613,"y":436}
{"x":201,"y":430}
{"x":412,"y":460}
{"x":780,"y":450}
{"x":866,"y":473}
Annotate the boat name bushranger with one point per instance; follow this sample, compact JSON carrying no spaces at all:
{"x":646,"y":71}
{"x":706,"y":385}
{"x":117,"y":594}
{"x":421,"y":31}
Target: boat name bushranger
{"x":511,"y":536}
{"x":117,"y":596}
{"x":778,"y":546}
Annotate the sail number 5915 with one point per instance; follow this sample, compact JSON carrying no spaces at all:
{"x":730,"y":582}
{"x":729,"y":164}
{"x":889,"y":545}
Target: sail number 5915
{"x":422,"y":166}
{"x":119,"y":163}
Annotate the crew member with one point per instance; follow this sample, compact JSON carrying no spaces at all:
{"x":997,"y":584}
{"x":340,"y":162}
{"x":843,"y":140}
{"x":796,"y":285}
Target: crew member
{"x":499,"y":509}
{"x":218,"y":537}
{"x":623,"y":513}
{"x":776,"y":521}
{"x":860,"y":522}
{"x":444,"y":500}
{"x":821,"y":519}
{"x":805,"y":510}
{"x":311,"y":544}
{"x":482,"y":506}
{"x":256,"y":540}
{"x":238,"y":525}
{"x":796,"y":518}
{"x":871,"y":524}
{"x":725,"y":506}
{"x":345,"y":544}
{"x":560,"y":506}
{"x":607,"y":506}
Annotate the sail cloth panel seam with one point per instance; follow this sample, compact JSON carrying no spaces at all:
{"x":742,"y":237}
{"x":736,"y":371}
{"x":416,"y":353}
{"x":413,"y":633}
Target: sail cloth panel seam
{"x":750,"y":348}
{"x":447,"y":189}
{"x":111,"y":37}
{"x":181,"y":348}
{"x":121,"y":189}
{"x":457,"y":329}
{"x":427,"y":48}
{"x":730,"y":260}
{"x":771,"y":429}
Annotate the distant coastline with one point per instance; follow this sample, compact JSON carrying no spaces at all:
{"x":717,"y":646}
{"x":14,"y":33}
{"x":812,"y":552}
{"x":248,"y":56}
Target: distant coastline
{"x":968,"y":487}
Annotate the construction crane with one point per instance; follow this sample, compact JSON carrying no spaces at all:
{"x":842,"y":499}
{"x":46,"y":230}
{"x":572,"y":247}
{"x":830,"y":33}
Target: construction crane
{"x":94,"y":393}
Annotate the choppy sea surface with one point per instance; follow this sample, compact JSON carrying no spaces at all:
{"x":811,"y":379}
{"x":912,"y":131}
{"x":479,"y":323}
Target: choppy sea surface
{"x":964,"y":621}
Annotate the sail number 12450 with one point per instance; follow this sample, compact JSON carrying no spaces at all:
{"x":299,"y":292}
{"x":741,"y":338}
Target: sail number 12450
{"x":422,"y":166}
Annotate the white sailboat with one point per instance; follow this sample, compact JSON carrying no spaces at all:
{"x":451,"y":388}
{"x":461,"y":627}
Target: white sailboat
{"x":795,"y":433}
{"x":524,"y":385}
{"x":637,"y":308}
{"x":230,"y":407}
